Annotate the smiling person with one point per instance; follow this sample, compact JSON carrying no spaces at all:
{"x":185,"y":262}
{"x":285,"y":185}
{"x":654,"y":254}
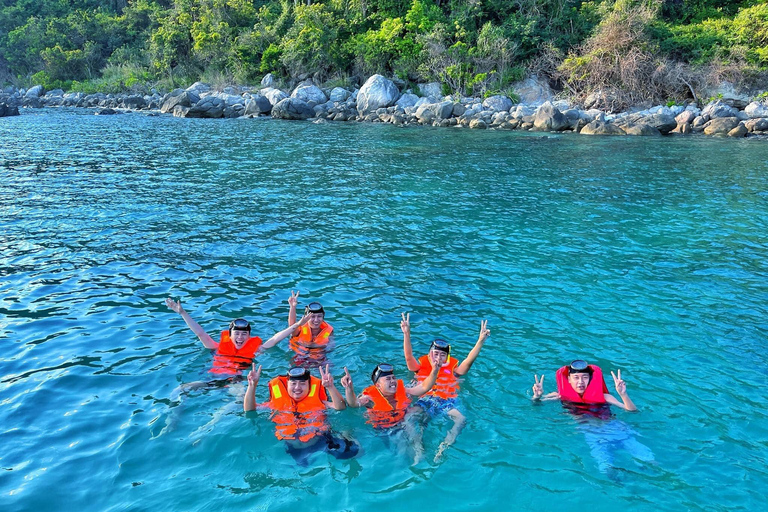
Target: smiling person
{"x":582,"y":390}
{"x":236,"y":347}
{"x":299,"y":402}
{"x":311,"y":341}
{"x":443,"y":398}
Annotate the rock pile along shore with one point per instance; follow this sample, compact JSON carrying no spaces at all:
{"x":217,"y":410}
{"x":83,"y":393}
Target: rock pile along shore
{"x":380,"y":100}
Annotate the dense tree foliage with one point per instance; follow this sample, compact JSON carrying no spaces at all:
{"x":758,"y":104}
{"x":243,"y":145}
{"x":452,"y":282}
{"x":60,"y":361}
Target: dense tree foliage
{"x":478,"y":46}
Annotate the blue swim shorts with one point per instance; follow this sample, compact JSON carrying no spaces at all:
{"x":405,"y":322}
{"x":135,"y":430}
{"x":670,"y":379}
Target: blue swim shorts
{"x":435,"y":406}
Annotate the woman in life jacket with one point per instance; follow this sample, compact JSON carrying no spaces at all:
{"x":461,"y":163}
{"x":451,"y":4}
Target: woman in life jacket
{"x":583,"y":383}
{"x":312,"y":341}
{"x":298,"y":403}
{"x":443,"y":398}
{"x":582,"y":390}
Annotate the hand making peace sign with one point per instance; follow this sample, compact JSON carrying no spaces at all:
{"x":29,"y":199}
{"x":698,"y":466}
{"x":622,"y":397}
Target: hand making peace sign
{"x":621,"y":386}
{"x":484,"y":331}
{"x":405,"y":323}
{"x":293,"y":300}
{"x":325,"y":377}
{"x":254,"y":375}
{"x":538,"y":387}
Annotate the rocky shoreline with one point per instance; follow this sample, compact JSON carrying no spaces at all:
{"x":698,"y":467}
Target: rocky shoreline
{"x":380,"y":100}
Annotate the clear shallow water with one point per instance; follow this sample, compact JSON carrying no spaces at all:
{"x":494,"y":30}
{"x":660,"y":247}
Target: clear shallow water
{"x":641,"y":254}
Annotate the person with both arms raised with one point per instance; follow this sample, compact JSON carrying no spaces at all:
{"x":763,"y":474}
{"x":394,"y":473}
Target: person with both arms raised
{"x":443,"y":398}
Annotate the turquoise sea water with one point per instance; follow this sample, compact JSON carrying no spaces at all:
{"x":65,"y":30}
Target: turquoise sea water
{"x":648,"y":255}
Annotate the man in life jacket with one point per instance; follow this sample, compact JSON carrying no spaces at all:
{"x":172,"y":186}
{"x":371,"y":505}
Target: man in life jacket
{"x":312,"y":341}
{"x":388,"y":400}
{"x":236,"y":347}
{"x":443,"y":398}
{"x":298,"y":402}
{"x":581,"y":387}
{"x":583,"y":383}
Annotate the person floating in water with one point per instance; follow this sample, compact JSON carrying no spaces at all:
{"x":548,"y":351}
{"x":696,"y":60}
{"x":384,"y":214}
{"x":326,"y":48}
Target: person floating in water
{"x":312,"y":341}
{"x":581,"y":387}
{"x":236,"y":347}
{"x":298,"y":402}
{"x":388,"y":400}
{"x":443,"y":398}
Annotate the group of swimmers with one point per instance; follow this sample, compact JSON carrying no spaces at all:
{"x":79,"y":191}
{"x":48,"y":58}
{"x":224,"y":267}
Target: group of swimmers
{"x":298,"y":401}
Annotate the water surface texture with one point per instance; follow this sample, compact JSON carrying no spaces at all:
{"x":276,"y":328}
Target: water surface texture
{"x":644,"y":254}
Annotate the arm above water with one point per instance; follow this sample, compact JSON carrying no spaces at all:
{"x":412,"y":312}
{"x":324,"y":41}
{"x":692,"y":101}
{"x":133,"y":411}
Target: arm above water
{"x":405,"y":326}
{"x":280,"y":336}
{"x":337,"y":402}
{"x":424,"y":386}
{"x":467,"y":363}
{"x":538,"y":391}
{"x":621,"y":389}
{"x":204,"y":337}
{"x":293,"y":301}
{"x":249,"y":401}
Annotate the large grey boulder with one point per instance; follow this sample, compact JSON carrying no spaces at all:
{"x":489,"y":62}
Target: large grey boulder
{"x":274,"y":96}
{"x":642,"y":130}
{"x":664,"y":123}
{"x":339,"y":94}
{"x":7,"y":110}
{"x":434,"y":111}
{"x":407,"y":100}
{"x":686,"y":116}
{"x":134,"y":102}
{"x":268,"y":81}
{"x":309,"y":93}
{"x":210,"y":107}
{"x":739,"y":131}
{"x":756,"y":109}
{"x":601,"y":128}
{"x":433,"y":89}
{"x":184,"y":99}
{"x":292,"y":108}
{"x":35,"y":92}
{"x":549,"y":119}
{"x":719,"y":109}
{"x":721,"y":125}
{"x":376,"y":92}
{"x":757,"y":125}
{"x":497,"y":103}
{"x":729,"y":94}
{"x":533,"y":91}
{"x":257,"y":104}
{"x":199,"y":88}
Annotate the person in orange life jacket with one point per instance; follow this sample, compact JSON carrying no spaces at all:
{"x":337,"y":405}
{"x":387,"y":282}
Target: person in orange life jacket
{"x":388,"y":401}
{"x":443,"y":398}
{"x":299,"y":402}
{"x":235,"y":348}
{"x":582,"y":389}
{"x":583,"y":383}
{"x":313,"y":341}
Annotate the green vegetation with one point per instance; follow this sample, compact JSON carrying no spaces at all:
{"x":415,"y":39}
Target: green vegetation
{"x":641,"y":48}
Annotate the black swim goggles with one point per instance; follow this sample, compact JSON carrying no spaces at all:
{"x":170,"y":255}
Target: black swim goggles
{"x":314,"y":307}
{"x":442,"y":345}
{"x":239,"y":324}
{"x":382,"y":370}
{"x":298,"y":373}
{"x":579,"y":366}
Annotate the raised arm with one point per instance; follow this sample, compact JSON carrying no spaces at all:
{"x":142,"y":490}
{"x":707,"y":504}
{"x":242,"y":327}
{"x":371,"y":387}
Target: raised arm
{"x":208,"y":342}
{"x":467,"y":363}
{"x":349,"y":389}
{"x":538,"y":390}
{"x":425,"y":385}
{"x":249,"y":402}
{"x":337,"y":402}
{"x":280,"y":336}
{"x":621,"y":388}
{"x":405,"y":326}
{"x":293,"y":301}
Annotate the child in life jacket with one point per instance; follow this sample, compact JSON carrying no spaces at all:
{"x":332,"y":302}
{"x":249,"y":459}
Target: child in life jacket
{"x":583,"y":383}
{"x":311,"y":341}
{"x":298,"y":403}
{"x":443,"y":398}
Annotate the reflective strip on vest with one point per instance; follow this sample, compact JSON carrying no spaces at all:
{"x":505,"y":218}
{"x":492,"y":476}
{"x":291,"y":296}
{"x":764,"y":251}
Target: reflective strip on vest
{"x":276,"y":392}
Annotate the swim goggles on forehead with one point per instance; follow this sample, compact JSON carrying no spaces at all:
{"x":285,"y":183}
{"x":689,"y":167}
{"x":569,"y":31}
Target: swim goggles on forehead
{"x":443,"y":345}
{"x":315,"y":307}
{"x":579,"y":366}
{"x":382,"y":370}
{"x":240,"y":324}
{"x":298,"y":373}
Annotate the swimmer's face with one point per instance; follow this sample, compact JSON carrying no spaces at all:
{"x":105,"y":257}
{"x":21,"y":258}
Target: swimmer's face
{"x":316,"y":319}
{"x":438,"y":355}
{"x":239,"y":337}
{"x":298,"y":389}
{"x":387,"y":385}
{"x":579,"y":382}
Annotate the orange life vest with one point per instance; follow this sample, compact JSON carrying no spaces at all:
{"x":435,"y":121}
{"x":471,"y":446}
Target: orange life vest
{"x":594,"y":394}
{"x":304,"y":338}
{"x":294,"y":420}
{"x":382,"y":414}
{"x":229,"y":359}
{"x":447,"y":385}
